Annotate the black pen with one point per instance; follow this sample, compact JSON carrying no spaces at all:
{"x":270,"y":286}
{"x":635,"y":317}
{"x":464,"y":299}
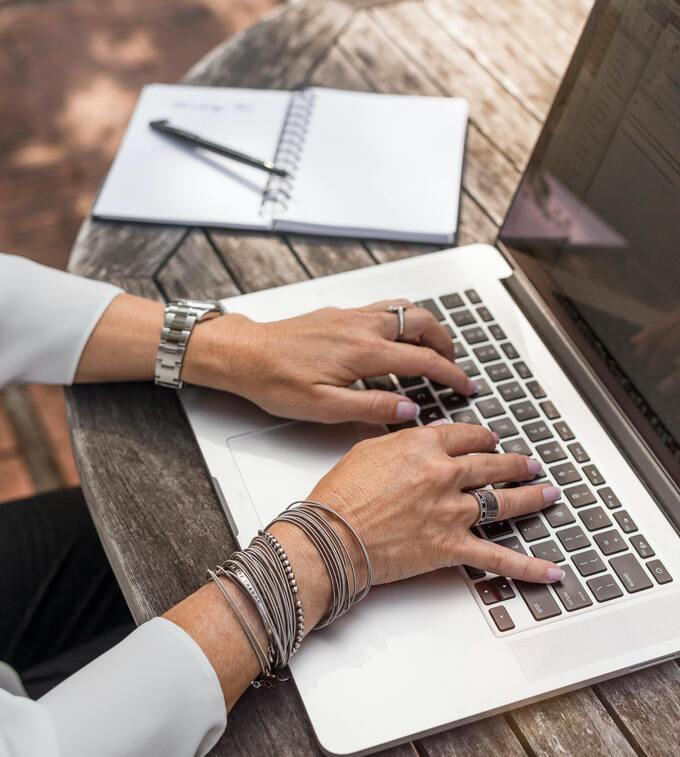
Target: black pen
{"x":193,"y":139}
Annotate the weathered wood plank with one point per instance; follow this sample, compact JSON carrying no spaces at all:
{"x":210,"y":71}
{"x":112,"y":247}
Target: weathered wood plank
{"x":321,"y":257}
{"x":492,"y":736}
{"x":279,"y":52}
{"x":505,"y":57}
{"x":574,"y":723}
{"x":196,"y":271}
{"x":647,"y":705}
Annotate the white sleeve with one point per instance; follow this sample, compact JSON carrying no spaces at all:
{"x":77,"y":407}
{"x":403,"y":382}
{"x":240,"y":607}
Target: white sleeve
{"x":154,"y":694}
{"x":47,"y":318}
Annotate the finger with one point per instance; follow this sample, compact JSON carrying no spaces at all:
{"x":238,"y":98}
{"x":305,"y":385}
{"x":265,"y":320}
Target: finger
{"x":480,"y":470}
{"x":503,"y":561}
{"x":411,"y":360}
{"x":420,"y":327}
{"x":371,"y":405}
{"x":525,"y":499}
{"x":464,"y":438}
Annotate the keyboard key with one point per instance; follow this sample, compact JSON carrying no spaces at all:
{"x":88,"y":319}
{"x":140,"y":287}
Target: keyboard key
{"x":467,"y":415}
{"x":580,"y":496}
{"x":463,"y":318}
{"x":487,"y":353}
{"x":537,"y":431}
{"x":594,"y":475}
{"x":501,"y":618}
{"x":571,"y":592}
{"x":494,"y":590}
{"x":484,"y":314}
{"x":453,"y":401}
{"x":451,"y":301}
{"x":589,"y":562}
{"x":536,"y":390}
{"x":551,"y":452}
{"x":384,"y":383}
{"x":459,"y":350}
{"x":497,"y":332}
{"x":490,"y":408}
{"x":565,"y":474}
{"x":524,"y":411}
{"x":496,"y":529}
{"x":474,"y":335}
{"x":564,"y":431}
{"x":513,"y":543}
{"x":402,"y":426}
{"x":498,"y":372}
{"x":509,"y":351}
{"x":511,"y":391}
{"x":610,"y":542}
{"x":580,"y":455}
{"x":448,"y":330}
{"x":630,"y":573}
{"x":482,"y":388}
{"x":538,"y":599}
{"x":432,"y":306}
{"x":469,"y":367}
{"x":573,"y":538}
{"x":422,"y":396}
{"x":594,"y":518}
{"x":473,"y":297}
{"x":551,"y":412}
{"x":642,"y":546}
{"x":517,"y":446}
{"x":558,"y":515}
{"x":548,"y":550}
{"x":522,"y":370}
{"x":406,"y":382}
{"x":657,"y":569}
{"x":474,"y":573}
{"x":532,"y":528}
{"x":504,"y":427}
{"x":430,"y":415}
{"x":626,"y":523}
{"x":609,"y":498}
{"x":604,"y":588}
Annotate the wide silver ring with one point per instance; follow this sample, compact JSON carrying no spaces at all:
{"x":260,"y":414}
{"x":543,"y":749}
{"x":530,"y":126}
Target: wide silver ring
{"x":488,"y":506}
{"x":400,"y":312}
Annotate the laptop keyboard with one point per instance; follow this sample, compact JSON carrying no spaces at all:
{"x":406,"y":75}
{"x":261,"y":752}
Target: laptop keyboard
{"x":589,"y":534}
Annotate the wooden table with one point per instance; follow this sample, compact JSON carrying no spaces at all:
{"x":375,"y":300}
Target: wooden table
{"x":141,"y":470}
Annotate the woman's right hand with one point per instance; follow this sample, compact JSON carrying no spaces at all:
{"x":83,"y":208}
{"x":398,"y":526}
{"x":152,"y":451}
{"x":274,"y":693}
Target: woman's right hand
{"x":405,"y":494}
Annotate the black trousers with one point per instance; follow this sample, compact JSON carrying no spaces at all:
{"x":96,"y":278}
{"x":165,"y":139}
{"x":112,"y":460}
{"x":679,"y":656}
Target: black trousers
{"x":60,"y":605}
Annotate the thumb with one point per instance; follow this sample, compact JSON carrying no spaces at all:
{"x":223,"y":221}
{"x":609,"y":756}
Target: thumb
{"x":371,"y":405}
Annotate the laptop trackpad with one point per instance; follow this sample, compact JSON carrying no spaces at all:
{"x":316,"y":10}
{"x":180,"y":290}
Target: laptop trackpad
{"x":284,"y":463}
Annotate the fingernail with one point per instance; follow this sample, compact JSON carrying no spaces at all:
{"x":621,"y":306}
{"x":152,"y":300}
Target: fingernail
{"x":551,"y":494}
{"x":471,"y":387}
{"x":496,"y":438}
{"x":555,"y":574}
{"x":440,"y":422}
{"x":407,"y":411}
{"x":533,"y":466}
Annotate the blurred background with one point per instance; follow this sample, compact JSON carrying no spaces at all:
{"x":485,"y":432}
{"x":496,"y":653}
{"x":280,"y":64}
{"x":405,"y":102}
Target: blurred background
{"x":70,"y":71}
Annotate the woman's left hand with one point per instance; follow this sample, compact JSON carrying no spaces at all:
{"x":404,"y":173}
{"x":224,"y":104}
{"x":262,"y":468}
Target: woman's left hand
{"x":303,"y":367}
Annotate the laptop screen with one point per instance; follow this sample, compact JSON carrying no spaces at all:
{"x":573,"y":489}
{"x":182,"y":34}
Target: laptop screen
{"x":595,"y":223}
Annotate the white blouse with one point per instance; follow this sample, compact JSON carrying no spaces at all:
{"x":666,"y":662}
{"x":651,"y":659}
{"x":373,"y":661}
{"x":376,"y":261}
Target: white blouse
{"x":155,"y":693}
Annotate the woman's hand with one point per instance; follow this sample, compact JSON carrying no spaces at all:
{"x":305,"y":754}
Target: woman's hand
{"x":304,"y":367}
{"x":405,"y":495}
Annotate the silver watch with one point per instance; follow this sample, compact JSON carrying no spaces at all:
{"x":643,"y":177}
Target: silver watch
{"x":180,"y":318}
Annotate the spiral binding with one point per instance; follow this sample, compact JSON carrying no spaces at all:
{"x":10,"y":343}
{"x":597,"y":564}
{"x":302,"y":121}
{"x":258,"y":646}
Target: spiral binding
{"x":288,"y":152}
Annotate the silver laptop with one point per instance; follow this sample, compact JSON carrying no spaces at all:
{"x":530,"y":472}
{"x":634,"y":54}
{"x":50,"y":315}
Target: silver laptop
{"x":571,"y":328}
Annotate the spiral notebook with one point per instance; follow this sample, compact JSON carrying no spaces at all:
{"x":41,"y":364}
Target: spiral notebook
{"x":360,"y":164}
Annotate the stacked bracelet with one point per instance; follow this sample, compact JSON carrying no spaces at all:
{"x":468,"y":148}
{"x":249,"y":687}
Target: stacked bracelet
{"x":264,"y":575}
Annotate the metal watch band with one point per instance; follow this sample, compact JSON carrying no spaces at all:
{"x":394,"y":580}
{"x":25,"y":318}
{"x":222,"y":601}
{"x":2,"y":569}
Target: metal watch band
{"x":180,"y":318}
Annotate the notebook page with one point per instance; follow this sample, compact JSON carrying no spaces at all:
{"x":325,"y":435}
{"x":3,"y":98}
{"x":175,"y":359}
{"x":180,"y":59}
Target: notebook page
{"x":379,"y":165}
{"x":157,"y":178}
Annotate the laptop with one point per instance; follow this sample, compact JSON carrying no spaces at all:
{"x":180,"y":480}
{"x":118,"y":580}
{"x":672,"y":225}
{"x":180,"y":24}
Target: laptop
{"x":570,"y":325}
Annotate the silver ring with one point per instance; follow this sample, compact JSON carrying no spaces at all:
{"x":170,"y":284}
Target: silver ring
{"x":400,"y":312}
{"x":488,"y":506}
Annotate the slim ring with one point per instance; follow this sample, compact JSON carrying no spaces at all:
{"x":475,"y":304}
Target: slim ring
{"x":488,"y":506}
{"x":400,"y":312}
